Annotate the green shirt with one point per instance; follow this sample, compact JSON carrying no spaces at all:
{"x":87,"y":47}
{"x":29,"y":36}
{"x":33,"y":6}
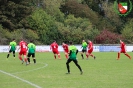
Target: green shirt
{"x":73,"y":50}
{"x":31,"y":48}
{"x":13,"y":45}
{"x":84,"y":45}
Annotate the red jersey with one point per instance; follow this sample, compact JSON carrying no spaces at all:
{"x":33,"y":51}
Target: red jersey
{"x":23,"y":46}
{"x":65,"y":47}
{"x":122,"y":46}
{"x":90,"y":46}
{"x":54,"y":46}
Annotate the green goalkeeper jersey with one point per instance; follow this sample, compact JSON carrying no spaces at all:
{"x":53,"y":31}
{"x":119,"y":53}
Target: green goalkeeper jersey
{"x":13,"y":46}
{"x":84,"y":45}
{"x":73,"y":52}
{"x":31,"y":48}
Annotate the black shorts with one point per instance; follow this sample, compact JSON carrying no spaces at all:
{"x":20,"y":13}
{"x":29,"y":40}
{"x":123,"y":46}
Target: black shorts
{"x":31,"y":54}
{"x":11,"y":51}
{"x":84,"y":51}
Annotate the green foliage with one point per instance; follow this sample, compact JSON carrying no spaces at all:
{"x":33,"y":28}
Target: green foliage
{"x":5,"y":35}
{"x":13,"y":12}
{"x":127,"y":32}
{"x":44,"y":25}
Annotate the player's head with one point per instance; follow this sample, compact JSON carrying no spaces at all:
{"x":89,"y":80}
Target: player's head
{"x":83,"y":40}
{"x":13,"y":39}
{"x":89,"y":41}
{"x":120,"y":41}
{"x":71,"y":42}
{"x":63,"y":43}
{"x":31,"y":41}
{"x":54,"y":41}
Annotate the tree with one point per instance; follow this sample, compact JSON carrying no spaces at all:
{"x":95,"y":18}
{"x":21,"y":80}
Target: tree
{"x":13,"y":12}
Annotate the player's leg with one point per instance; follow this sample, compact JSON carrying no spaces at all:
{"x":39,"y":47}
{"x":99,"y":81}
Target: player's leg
{"x":88,"y":54}
{"x":9,"y":53}
{"x":128,"y":55}
{"x":76,"y":63}
{"x":57,"y":52}
{"x":20,"y":57}
{"x":92,"y":54}
{"x":118,"y":55}
{"x":66,"y":54}
{"x":82,"y":54}
{"x":67,"y":64}
{"x":54,"y":54}
{"x":33,"y":56}
{"x":28,"y":57}
{"x":14,"y":54}
{"x":25,"y":57}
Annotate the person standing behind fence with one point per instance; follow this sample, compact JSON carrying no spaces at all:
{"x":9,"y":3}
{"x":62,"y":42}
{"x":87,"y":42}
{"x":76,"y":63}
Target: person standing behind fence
{"x":31,"y":51}
{"x":12,"y":48}
{"x":123,"y":50}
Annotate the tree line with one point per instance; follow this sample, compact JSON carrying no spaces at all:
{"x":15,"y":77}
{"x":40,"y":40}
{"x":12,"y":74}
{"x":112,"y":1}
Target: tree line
{"x":63,"y":20}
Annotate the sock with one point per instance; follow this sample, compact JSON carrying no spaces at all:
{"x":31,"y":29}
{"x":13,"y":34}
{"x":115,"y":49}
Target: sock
{"x":7,"y":55}
{"x":66,"y":56}
{"x":28,"y":59}
{"x":82,"y":56}
{"x":92,"y":55}
{"x":14,"y":55}
{"x":55,"y":56}
{"x":118,"y":55}
{"x":20,"y":58}
{"x":127,"y":55}
{"x":25,"y":59}
{"x":58,"y":55}
{"x":34,"y":61}
{"x":87,"y":55}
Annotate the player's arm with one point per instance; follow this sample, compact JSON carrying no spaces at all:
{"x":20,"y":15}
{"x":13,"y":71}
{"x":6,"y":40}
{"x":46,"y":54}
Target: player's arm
{"x":125,"y":48}
{"x":90,"y":47}
{"x":50,"y":47}
{"x":9,"y":47}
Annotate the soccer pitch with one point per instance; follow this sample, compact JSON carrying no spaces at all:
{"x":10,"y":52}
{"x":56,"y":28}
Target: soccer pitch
{"x":104,"y":72}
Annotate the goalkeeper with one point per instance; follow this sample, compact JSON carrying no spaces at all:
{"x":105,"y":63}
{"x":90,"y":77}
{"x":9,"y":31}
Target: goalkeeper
{"x":72,"y":57}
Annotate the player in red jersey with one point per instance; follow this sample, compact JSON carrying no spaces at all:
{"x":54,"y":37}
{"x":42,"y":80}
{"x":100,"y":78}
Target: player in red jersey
{"x":123,"y":50}
{"x":54,"y":48}
{"x":90,"y":50}
{"x":66,"y":50}
{"x":23,"y":51}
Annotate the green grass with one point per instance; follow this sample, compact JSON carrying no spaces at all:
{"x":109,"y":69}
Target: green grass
{"x":104,"y":72}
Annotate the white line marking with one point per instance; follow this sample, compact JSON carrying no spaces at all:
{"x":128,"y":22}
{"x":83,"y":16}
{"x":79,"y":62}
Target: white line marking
{"x":32,"y":69}
{"x":32,"y":84}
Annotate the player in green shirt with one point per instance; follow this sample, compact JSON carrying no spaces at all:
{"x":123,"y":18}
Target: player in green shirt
{"x":84,"y":48}
{"x":31,"y":51}
{"x":12,"y":47}
{"x":73,"y":57}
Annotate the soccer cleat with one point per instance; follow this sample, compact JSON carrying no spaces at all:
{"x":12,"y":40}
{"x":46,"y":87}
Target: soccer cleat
{"x":87,"y":58}
{"x":94,"y":57}
{"x":117,"y":58}
{"x":27,"y":63}
{"x":68,"y":73}
{"x":22,"y":61}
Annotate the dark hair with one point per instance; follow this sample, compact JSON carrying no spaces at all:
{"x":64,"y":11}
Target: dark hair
{"x":13,"y":39}
{"x":31,"y":40}
{"x":71,"y":42}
